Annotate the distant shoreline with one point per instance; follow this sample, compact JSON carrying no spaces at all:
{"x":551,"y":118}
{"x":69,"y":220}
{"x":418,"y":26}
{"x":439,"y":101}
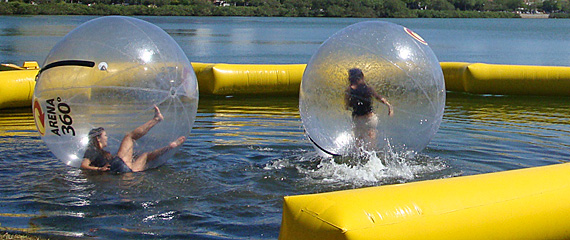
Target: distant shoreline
{"x":360,"y":11}
{"x":20,"y":8}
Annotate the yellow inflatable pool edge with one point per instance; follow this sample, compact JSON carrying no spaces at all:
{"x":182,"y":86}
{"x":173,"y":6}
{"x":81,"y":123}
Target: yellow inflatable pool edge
{"x":285,"y":79}
{"x":531,"y":203}
{"x":497,"y":79}
{"x":476,"y":78}
{"x":18,"y":84}
{"x":249,"y":79}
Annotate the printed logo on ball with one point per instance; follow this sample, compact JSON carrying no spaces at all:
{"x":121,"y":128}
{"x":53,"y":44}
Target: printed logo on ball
{"x":57,"y":115}
{"x":415,"y":36}
{"x":39,"y":117}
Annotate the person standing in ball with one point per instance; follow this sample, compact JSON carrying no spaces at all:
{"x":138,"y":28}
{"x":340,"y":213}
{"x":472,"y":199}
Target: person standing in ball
{"x":358,"y":97}
{"x":96,"y":158}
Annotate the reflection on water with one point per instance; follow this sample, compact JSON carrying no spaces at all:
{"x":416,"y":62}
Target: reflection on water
{"x":245,"y":121}
{"x":496,"y":133}
{"x":15,"y":123}
{"x":182,"y":32}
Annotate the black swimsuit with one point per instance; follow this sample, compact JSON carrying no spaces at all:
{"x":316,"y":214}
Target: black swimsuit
{"x":360,"y":100}
{"x":117,"y":165}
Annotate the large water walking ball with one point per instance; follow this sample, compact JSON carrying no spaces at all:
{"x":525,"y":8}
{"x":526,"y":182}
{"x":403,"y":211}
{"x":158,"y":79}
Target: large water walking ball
{"x":398,"y":64}
{"x":110,"y":72}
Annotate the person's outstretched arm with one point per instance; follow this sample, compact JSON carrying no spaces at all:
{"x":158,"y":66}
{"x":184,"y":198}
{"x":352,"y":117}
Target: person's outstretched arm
{"x":347,"y":99}
{"x":85,"y":164}
{"x":383,"y":100}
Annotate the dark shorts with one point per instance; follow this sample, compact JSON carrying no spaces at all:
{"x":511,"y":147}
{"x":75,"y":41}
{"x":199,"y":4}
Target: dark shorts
{"x":119,"y":166}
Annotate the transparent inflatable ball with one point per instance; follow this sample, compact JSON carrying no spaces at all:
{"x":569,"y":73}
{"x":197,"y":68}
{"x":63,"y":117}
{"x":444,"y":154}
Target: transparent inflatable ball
{"x":338,"y":100}
{"x":115,"y":73}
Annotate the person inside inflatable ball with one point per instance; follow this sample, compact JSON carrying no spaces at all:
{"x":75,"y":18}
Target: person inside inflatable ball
{"x":116,"y":94}
{"x":98,"y":159}
{"x":358,"y":99}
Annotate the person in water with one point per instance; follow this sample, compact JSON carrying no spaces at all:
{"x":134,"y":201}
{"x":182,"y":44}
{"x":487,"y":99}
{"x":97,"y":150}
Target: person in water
{"x":98,"y":159}
{"x":358,"y":98}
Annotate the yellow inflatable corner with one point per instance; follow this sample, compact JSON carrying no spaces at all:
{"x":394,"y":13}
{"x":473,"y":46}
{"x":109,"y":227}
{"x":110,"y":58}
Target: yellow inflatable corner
{"x":17,"y":87}
{"x":531,"y":203}
{"x":453,"y":73}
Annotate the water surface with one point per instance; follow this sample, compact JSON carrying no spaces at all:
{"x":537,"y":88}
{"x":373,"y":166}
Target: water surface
{"x":245,"y":154}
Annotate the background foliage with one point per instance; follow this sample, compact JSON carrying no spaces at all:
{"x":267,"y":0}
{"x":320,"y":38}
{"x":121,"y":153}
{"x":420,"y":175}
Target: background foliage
{"x":289,"y":8}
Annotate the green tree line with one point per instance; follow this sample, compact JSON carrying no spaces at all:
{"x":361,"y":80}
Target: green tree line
{"x":286,"y":8}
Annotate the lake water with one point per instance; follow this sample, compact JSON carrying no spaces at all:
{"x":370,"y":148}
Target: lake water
{"x":245,"y":154}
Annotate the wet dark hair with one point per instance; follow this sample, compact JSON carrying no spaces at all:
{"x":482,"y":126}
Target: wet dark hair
{"x":95,"y":132}
{"x":354,"y":75}
{"x":93,"y":135}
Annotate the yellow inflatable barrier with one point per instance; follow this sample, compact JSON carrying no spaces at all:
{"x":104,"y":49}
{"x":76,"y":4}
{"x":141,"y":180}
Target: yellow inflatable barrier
{"x":531,"y":203}
{"x":285,"y":79}
{"x":477,"y":78}
{"x":17,"y":84}
{"x":480,"y":78}
{"x":248,"y":79}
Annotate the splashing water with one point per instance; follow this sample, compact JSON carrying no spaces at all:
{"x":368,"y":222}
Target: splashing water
{"x":368,"y":168}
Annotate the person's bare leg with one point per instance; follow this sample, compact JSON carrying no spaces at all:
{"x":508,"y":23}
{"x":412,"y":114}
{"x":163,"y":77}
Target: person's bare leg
{"x":371,"y":143}
{"x":140,"y":163}
{"x":143,"y":129}
{"x":126,"y":149}
{"x":372,"y":132}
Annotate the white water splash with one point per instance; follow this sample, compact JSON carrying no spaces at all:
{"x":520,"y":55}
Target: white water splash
{"x":371,"y":168}
{"x":364,"y":168}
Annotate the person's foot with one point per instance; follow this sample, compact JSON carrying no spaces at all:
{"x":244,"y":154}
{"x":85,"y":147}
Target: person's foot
{"x":178,"y":142}
{"x":157,"y":115}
